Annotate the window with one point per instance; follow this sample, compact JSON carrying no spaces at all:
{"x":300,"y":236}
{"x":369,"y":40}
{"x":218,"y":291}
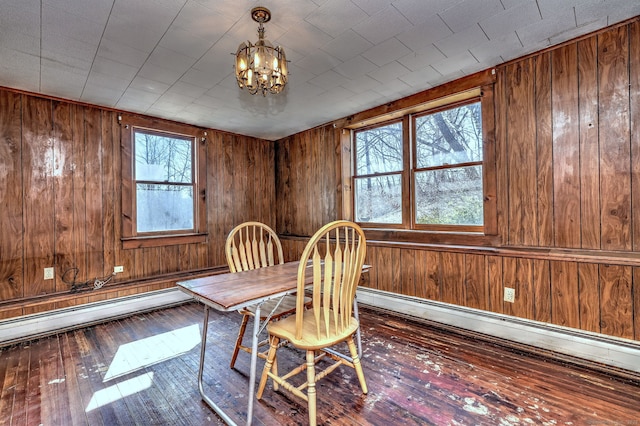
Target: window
{"x":164,"y":182}
{"x":161,"y":184}
{"x":426,"y":170}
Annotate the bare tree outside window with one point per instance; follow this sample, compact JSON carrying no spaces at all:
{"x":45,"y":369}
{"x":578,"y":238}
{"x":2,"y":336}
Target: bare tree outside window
{"x":448,"y":177}
{"x":164,"y":182}
{"x":379,"y":164}
{"x":446,"y":168}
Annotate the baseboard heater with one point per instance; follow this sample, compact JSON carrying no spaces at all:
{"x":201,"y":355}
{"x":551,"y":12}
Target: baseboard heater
{"x":597,"y":348}
{"x":29,"y":327}
{"x":601,"y":349}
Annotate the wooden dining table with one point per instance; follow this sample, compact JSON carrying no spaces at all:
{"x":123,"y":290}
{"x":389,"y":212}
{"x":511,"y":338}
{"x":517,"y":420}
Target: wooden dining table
{"x":233,"y":291}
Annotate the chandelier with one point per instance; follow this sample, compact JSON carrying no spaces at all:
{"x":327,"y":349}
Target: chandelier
{"x":260,"y":67}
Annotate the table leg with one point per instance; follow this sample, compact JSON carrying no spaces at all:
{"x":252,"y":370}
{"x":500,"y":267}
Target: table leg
{"x":205,"y":398}
{"x":254,"y":360}
{"x":356,"y":314}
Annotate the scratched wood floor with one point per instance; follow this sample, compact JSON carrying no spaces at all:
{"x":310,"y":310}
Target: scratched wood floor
{"x":142,"y":371}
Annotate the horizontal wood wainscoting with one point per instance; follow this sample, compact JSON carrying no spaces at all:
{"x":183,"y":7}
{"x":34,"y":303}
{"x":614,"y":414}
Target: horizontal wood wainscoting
{"x":577,"y":289}
{"x":60,"y":192}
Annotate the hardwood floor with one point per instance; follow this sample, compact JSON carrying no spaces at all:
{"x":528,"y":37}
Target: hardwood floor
{"x":142,"y":371}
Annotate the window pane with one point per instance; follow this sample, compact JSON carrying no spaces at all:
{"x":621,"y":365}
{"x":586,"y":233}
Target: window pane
{"x":164,"y":207}
{"x":452,"y":136}
{"x":379,"y":199}
{"x":163,"y":158}
{"x":449,"y":196}
{"x":379,"y":150}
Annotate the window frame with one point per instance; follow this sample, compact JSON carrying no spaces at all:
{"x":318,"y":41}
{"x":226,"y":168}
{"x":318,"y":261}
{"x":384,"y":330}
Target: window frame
{"x":131,"y":238}
{"x":408,"y":227}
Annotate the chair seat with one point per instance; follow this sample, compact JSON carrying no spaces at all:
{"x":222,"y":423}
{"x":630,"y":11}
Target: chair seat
{"x":288,"y":305}
{"x":286,"y":329}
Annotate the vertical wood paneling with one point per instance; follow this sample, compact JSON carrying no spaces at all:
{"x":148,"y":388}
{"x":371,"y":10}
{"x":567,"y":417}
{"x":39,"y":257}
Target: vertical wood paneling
{"x":502,"y":186}
{"x":373,"y":272}
{"x":397,"y":270}
{"x":544,"y":149}
{"x":524,"y":301}
{"x":37,"y":166}
{"x":541,"y":291}
{"x":11,"y":269}
{"x":589,"y":157}
{"x":566,"y":154}
{"x":109,"y":182}
{"x":615,"y":176}
{"x":79,"y":195}
{"x":476,"y":293}
{"x":495,"y":284}
{"x":63,"y":163}
{"x":521,"y":149}
{"x":616,"y":301}
{"x":589,"y":297}
{"x":408,"y":268}
{"x":564,"y":294}
{"x":428,"y":274}
{"x":634,"y":93}
{"x":636,"y":303}
{"x":93,"y":169}
{"x":452,"y":290}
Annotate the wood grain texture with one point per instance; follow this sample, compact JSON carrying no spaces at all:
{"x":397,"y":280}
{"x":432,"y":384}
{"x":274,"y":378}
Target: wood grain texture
{"x":616,"y":304}
{"x":589,"y":144}
{"x":566,"y":147}
{"x":544,"y":149}
{"x":589,"y":297}
{"x":564,"y":294}
{"x":11,"y":198}
{"x":521,"y":151}
{"x":37,"y":156}
{"x":613,"y":111}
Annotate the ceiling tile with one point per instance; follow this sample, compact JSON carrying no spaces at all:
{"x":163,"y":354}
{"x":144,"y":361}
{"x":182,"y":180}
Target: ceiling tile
{"x":346,"y":46}
{"x":511,"y":19}
{"x":383,"y":25}
{"x":336,"y":15}
{"x":420,"y":11}
{"x":469,"y":12}
{"x":388,"y":72}
{"x":461,"y":41}
{"x":424,"y":34}
{"x":547,"y":28}
{"x":422,"y":58}
{"x":386,"y":52}
{"x":355,"y":67}
{"x":371,"y":7}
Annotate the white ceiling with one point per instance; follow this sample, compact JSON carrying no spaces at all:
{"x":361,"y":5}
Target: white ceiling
{"x":173,"y":58}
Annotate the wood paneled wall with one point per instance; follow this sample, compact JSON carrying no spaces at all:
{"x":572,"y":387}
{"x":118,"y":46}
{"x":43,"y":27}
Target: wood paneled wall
{"x":307,"y":180}
{"x":568,"y":164}
{"x":60,"y":195}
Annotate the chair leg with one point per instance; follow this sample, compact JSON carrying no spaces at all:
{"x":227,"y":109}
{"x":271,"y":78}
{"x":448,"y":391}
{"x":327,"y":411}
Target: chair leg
{"x":357,"y":365}
{"x":311,"y":388}
{"x":243,"y":326}
{"x":273,"y":342}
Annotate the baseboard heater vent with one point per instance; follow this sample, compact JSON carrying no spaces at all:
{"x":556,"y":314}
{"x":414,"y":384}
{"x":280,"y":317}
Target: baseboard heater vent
{"x":597,"y":348}
{"x":29,"y":327}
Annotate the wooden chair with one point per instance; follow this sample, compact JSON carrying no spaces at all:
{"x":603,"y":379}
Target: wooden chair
{"x":253,"y":245}
{"x":333,"y":258}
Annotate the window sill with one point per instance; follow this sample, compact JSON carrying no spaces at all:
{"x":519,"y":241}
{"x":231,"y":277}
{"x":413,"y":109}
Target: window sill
{"x":431,"y":237}
{"x":162,"y":240}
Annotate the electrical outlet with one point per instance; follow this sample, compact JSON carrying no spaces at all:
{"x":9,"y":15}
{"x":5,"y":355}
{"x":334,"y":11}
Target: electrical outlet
{"x":48,"y":273}
{"x":118,"y":269}
{"x":509,"y":294}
